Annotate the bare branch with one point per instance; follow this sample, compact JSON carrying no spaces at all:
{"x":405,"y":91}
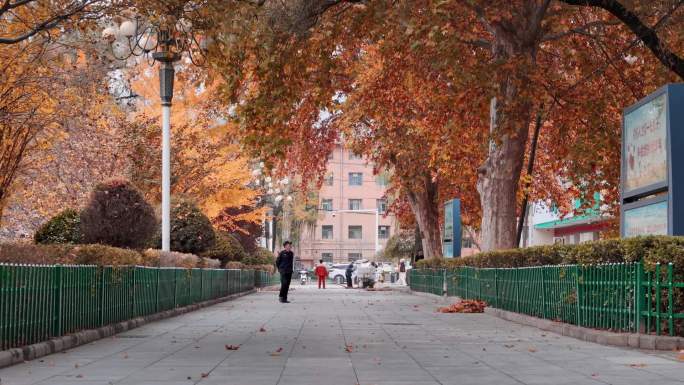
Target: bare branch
{"x":583,"y":30}
{"x":647,"y":35}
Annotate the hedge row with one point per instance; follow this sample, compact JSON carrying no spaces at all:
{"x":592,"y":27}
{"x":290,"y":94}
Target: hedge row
{"x":97,"y":255}
{"x":650,"y":249}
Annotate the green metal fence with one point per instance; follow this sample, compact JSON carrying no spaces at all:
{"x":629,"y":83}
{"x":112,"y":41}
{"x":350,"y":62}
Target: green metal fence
{"x":427,"y":280}
{"x":264,"y":279}
{"x":621,"y":296}
{"x":41,"y":302}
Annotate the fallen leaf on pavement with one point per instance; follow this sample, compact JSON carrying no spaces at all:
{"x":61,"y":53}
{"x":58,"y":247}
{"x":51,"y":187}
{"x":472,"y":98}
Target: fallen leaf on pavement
{"x":262,"y":330}
{"x":205,"y":375}
{"x":348,"y":348}
{"x":639,"y":365}
{"x":232,"y":347}
{"x":532,"y":349}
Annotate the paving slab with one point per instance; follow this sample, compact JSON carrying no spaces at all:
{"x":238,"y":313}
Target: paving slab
{"x":347,"y":337}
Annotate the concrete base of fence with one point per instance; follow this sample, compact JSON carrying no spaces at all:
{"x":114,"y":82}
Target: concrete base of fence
{"x":603,"y":337}
{"x":30,"y":352}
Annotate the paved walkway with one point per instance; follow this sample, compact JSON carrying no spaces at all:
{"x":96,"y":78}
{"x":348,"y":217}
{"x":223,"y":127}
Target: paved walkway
{"x":342,"y":337}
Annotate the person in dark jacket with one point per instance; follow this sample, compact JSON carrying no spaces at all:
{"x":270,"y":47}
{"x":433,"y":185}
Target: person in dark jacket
{"x":348,"y":274}
{"x":284,"y":263}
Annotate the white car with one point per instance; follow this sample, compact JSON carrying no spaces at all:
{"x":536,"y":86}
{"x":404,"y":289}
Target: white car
{"x":337,"y":272}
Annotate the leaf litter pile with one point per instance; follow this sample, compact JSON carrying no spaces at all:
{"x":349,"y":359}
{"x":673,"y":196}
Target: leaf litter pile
{"x":464,"y":306}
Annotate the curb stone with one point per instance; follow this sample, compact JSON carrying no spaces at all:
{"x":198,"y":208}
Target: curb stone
{"x":18,"y":355}
{"x":601,"y":337}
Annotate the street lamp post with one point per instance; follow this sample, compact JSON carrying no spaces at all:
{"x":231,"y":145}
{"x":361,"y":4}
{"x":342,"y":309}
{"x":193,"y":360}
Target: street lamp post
{"x":274,"y":193}
{"x":165,"y":42}
{"x":377,"y":222}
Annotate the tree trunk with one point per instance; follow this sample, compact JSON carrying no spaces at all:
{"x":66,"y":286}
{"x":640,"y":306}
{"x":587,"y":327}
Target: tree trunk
{"x":515,"y":41}
{"x":499,"y":176}
{"x":498,"y":186}
{"x":425,"y":207}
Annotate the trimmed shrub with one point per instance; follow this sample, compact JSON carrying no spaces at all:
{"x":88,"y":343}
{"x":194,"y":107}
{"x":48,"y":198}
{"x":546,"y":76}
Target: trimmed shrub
{"x":117,"y":215}
{"x":650,"y":249}
{"x":208,"y":263}
{"x":103,"y":255}
{"x":16,"y":252}
{"x":226,"y":248}
{"x":400,"y":245}
{"x":235,"y":265}
{"x":260,"y":256}
{"x":64,"y":227}
{"x":191,"y":230}
{"x":267,"y":268}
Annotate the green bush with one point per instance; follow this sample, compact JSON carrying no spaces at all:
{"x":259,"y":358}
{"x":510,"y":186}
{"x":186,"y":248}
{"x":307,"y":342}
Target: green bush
{"x":20,"y":252}
{"x":103,"y":255}
{"x":650,"y":249}
{"x":400,"y":245}
{"x":117,"y":215}
{"x":226,"y":248}
{"x":260,"y":256}
{"x":69,"y":254}
{"x":64,"y":227}
{"x":191,"y":230}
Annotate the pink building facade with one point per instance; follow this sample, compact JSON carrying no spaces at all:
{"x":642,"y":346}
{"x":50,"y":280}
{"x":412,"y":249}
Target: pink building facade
{"x":346,"y":228}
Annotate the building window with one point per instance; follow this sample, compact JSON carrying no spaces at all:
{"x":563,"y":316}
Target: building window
{"x":381,"y":205}
{"x":354,"y":156}
{"x":327,"y":232}
{"x":354,"y":257}
{"x":355,"y":232}
{"x":467,"y":243}
{"x":328,"y":181}
{"x":326,"y":204}
{"x":327,"y":257}
{"x":355,"y":204}
{"x":382,"y":179}
{"x":383,"y":232}
{"x":355,"y":179}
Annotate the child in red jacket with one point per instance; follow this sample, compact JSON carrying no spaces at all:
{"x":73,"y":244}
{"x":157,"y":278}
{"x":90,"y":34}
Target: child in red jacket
{"x":322,"y":273}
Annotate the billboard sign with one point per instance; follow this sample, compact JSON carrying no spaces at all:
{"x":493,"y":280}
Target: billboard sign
{"x":451,"y":235}
{"x":645,"y":136}
{"x":652,"y":177}
{"x":650,"y":219}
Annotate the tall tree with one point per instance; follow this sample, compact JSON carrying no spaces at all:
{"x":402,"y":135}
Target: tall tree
{"x":285,"y":81}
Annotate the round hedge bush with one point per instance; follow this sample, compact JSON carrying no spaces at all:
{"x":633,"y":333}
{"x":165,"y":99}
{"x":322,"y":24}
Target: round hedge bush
{"x":226,"y":248}
{"x":191,"y":230}
{"x":117,"y":215}
{"x":64,"y":227}
{"x":260,"y":256}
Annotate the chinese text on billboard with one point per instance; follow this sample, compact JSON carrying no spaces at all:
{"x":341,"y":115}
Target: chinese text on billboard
{"x":645,"y":145}
{"x":646,"y":220}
